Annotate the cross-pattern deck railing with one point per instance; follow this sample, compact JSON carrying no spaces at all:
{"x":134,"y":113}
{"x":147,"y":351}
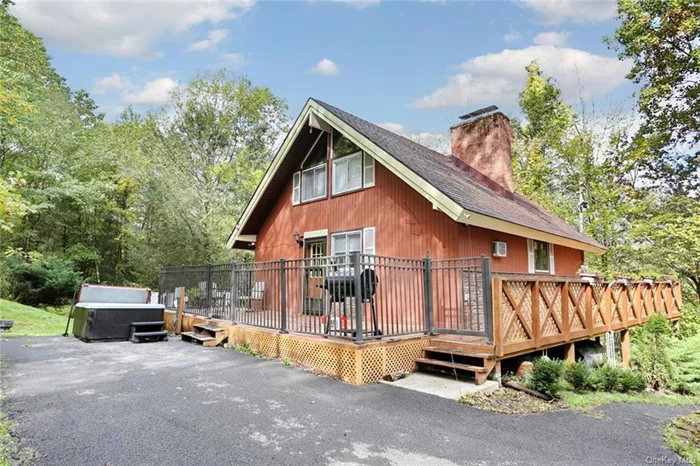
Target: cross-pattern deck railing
{"x":535,"y":311}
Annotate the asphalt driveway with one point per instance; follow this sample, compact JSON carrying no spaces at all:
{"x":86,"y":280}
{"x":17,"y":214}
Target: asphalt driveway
{"x":174,"y":404}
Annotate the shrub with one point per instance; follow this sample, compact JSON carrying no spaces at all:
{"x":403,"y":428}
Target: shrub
{"x":579,"y":376}
{"x":607,"y":378}
{"x":651,"y":354}
{"x":614,"y":379}
{"x":546,"y":376}
{"x":632,"y":381}
{"x":38,"y":280}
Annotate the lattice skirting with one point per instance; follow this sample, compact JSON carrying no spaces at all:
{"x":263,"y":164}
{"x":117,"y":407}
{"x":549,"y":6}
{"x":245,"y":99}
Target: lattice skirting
{"x":356,"y":364}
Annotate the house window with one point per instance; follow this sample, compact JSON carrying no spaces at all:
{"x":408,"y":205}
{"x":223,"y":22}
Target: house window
{"x":540,"y":256}
{"x":352,"y":168}
{"x":347,"y":173}
{"x":313,"y":183}
{"x":343,"y":244}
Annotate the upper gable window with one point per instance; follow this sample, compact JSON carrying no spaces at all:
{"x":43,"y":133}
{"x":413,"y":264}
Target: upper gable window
{"x":309,"y":184}
{"x":352,"y":168}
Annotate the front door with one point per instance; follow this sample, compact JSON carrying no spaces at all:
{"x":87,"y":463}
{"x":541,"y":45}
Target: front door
{"x":314,"y":272}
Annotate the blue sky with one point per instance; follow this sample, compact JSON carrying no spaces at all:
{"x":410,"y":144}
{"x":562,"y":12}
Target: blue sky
{"x":413,"y":66}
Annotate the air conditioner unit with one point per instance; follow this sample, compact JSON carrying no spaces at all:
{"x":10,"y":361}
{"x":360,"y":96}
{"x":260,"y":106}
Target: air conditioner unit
{"x":499,"y":249}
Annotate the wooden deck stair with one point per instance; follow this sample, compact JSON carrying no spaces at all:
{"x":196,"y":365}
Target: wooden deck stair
{"x":206,"y":335}
{"x":452,"y":353}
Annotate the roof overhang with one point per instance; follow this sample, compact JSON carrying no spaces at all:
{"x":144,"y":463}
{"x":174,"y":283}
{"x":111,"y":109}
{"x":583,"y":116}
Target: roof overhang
{"x":318,"y":117}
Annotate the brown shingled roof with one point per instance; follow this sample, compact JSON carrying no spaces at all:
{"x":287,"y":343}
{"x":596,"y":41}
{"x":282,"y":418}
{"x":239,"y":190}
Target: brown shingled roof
{"x":457,"y":184}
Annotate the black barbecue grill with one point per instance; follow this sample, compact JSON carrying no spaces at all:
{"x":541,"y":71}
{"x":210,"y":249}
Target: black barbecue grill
{"x":341,"y":285}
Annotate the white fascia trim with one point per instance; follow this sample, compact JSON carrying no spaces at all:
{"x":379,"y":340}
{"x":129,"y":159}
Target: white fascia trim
{"x":483,"y":221}
{"x":300,"y":123}
{"x":316,"y":234}
{"x":444,"y":203}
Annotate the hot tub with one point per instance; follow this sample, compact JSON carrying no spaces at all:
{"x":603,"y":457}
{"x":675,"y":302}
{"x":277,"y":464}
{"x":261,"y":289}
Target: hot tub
{"x":111,"y":321}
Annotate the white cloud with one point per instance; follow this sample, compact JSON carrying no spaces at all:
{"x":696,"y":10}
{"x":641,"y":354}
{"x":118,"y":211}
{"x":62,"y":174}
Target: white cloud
{"x":359,"y":4}
{"x":121,"y":28}
{"x":435,"y":141}
{"x":156,"y":92}
{"x":551,"y":38}
{"x":577,"y":11}
{"x":393,"y":127}
{"x":232,"y":60}
{"x":107,"y":84}
{"x":511,"y":36}
{"x":499,"y":77}
{"x":211,"y":42}
{"x":325,"y":67}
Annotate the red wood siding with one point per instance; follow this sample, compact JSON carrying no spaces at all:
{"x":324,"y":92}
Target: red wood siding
{"x":406,"y":226}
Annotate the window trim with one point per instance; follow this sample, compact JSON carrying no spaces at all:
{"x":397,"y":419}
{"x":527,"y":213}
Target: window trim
{"x":346,"y":232}
{"x":301,"y":183}
{"x":296,"y":188}
{"x":365,"y":166}
{"x":346,"y":158}
{"x":532,"y":260}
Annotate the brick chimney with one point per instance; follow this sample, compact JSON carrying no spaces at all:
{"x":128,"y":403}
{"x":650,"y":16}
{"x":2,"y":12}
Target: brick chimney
{"x":483,"y":143}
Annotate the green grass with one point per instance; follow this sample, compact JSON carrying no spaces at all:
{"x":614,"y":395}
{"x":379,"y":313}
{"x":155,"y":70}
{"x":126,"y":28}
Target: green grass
{"x":30,"y":321}
{"x":586,"y":400}
{"x":683,"y":437}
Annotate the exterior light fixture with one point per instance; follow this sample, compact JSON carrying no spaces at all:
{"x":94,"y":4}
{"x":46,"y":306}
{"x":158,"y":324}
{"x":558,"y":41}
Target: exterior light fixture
{"x":298,"y":238}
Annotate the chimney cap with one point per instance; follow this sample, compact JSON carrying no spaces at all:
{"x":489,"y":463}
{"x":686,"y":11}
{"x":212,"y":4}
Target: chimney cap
{"x":480,"y":112}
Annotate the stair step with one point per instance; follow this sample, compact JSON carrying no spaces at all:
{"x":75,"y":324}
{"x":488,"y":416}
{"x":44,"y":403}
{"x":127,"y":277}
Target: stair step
{"x":459,"y":352}
{"x":198,"y":336}
{"x":159,"y":333}
{"x":148,"y":324}
{"x":452,"y":365}
{"x":210,"y":327}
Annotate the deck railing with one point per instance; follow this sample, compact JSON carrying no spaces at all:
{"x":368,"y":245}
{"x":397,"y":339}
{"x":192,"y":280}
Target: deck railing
{"x":355,"y":296}
{"x":535,"y":311}
{"x":363,"y":297}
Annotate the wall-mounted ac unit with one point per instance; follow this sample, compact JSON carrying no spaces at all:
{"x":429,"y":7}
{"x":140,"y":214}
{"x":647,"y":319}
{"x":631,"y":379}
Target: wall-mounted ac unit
{"x":499,"y":249}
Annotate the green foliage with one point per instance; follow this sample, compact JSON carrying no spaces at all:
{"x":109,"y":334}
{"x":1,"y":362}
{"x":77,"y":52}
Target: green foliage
{"x":661,"y":39}
{"x":685,"y":355}
{"x":689,"y":325}
{"x":546,"y":376}
{"x":38,"y":280}
{"x":632,"y":381}
{"x":651,"y":351}
{"x":579,"y":376}
{"x":121,"y":199}
{"x":615,"y":379}
{"x":608,"y":378}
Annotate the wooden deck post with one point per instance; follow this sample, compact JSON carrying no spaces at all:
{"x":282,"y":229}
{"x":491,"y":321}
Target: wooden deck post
{"x":570,"y":352}
{"x":180,"y":311}
{"x":535,"y":313}
{"x":625,"y":348}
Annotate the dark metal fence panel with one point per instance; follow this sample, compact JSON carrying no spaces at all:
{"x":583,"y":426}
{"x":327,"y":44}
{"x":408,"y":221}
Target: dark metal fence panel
{"x":353,"y":296}
{"x":397,"y":306}
{"x":257,"y":294}
{"x":458,"y":296}
{"x":319,"y":295}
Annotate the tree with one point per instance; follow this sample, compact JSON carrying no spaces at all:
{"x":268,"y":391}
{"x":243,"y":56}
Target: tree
{"x":216,"y":145}
{"x":662,"y":38}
